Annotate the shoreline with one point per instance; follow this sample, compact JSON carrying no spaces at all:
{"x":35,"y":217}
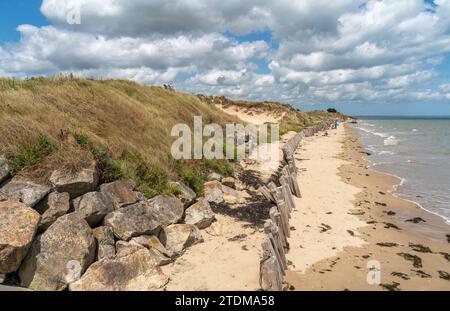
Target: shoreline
{"x":389,"y":239}
{"x":395,"y":187}
{"x":441,"y":221}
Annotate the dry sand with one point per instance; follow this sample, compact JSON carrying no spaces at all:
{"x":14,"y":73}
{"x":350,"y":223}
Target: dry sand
{"x":338,"y":174}
{"x":257,"y":118}
{"x":228,"y":259}
{"x":326,"y":201}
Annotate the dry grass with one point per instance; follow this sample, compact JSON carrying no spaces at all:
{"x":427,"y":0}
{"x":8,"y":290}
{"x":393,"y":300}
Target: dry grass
{"x":292,"y":119}
{"x":126,"y":126}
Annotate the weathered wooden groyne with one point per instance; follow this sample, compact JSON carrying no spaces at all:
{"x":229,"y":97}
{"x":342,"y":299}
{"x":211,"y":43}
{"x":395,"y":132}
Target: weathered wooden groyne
{"x":275,"y":244}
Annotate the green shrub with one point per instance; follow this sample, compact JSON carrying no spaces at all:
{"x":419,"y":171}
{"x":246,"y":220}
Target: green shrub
{"x":82,"y":139}
{"x":193,"y":180}
{"x":32,"y":153}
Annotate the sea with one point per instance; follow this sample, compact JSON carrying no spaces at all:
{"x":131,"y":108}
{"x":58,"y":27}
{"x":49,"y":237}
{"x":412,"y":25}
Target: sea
{"x":417,"y":151}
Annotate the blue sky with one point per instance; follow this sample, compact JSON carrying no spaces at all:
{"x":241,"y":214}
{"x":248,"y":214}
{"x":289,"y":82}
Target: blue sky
{"x":17,"y":12}
{"x":362,"y":57}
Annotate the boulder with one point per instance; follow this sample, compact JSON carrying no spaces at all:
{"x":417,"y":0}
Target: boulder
{"x":58,"y":205}
{"x":120,"y":193}
{"x":153,"y":244}
{"x":132,"y":221}
{"x":134,"y":271}
{"x":168,"y":210}
{"x":215,"y":177}
{"x":127,"y":248}
{"x":214,"y":192}
{"x":200,"y":214}
{"x":231,"y":196}
{"x":105,"y":242}
{"x":18,"y":226}
{"x":186,"y":195}
{"x":176,"y":238}
{"x":229,"y":182}
{"x":59,"y":256}
{"x":26,"y":192}
{"x":4,"y":170}
{"x":93,"y":207}
{"x":76,"y":183}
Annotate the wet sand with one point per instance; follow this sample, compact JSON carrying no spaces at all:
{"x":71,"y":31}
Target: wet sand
{"x":349,"y":223}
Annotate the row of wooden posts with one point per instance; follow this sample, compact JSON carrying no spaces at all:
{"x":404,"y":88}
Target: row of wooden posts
{"x":277,"y":229}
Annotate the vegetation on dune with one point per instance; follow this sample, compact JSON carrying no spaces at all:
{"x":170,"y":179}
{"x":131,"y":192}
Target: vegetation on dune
{"x":291,"y":119}
{"x":49,"y":123}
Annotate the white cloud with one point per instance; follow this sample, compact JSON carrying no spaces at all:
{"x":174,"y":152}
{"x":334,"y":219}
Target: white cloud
{"x":48,"y":49}
{"x":348,"y":50}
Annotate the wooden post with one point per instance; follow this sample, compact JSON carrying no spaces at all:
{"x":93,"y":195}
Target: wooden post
{"x":276,"y":219}
{"x":271,"y":276}
{"x":272,"y":232}
{"x":297,"y":192}
{"x":266,"y":193}
{"x":284,"y":218}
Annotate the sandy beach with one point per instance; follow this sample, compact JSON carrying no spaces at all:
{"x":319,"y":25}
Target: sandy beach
{"x":349,"y":218}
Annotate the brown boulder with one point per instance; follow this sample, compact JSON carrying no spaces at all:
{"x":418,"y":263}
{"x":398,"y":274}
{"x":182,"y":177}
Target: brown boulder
{"x":77,"y":182}
{"x":93,"y":207}
{"x":120,"y":193}
{"x":134,"y":271}
{"x":18,"y":226}
{"x":132,"y":221}
{"x":176,"y":238}
{"x":59,"y":256}
{"x":168,"y":210}
{"x":105,"y":242}
{"x":200,"y":214}
{"x":58,"y":205}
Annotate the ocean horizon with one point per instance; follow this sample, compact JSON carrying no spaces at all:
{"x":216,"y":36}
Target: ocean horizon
{"x":415,"y":149}
{"x":401,"y":117}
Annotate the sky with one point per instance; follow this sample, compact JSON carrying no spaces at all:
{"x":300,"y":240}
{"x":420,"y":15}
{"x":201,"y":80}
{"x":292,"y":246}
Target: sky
{"x":363,"y":57}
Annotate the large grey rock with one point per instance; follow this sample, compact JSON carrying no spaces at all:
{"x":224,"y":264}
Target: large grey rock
{"x":26,"y":192}
{"x":215,"y":177}
{"x":105,"y":242}
{"x":168,"y":210}
{"x":4,"y":170}
{"x":120,"y":193}
{"x":155,"y":247}
{"x":18,"y":225}
{"x":93,"y":207}
{"x":186,"y":195}
{"x":200,"y":214}
{"x":214,"y":192}
{"x":134,"y":271}
{"x":231,"y":196}
{"x":132,"y":221}
{"x":59,"y":256}
{"x":177,"y":238}
{"x":58,"y":205}
{"x":126,"y":248}
{"x":76,"y":183}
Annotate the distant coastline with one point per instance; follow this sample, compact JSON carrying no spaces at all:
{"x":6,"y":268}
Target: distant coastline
{"x":393,"y":117}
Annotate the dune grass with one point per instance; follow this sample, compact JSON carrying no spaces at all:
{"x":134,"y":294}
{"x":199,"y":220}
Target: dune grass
{"x":67,"y":122}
